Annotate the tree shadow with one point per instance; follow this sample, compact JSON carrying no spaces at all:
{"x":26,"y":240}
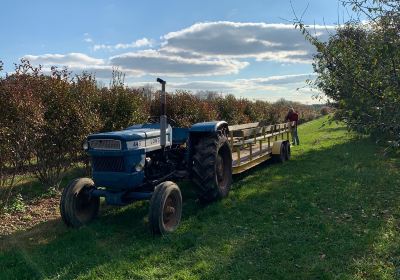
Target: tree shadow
{"x":306,"y":218}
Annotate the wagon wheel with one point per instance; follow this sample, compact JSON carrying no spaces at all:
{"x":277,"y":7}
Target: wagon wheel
{"x":281,"y":157}
{"x":77,"y":206}
{"x":165,"y":208}
{"x":287,"y":151}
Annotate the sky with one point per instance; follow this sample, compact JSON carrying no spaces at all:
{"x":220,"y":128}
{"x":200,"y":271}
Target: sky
{"x":248,"y":48}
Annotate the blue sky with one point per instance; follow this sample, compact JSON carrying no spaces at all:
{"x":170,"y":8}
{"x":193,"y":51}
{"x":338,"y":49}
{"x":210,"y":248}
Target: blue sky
{"x":248,"y":48}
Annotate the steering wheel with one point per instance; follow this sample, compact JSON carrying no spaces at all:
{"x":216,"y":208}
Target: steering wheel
{"x":156,"y":119}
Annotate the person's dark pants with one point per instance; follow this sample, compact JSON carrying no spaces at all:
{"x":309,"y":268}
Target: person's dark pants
{"x":295,"y":136}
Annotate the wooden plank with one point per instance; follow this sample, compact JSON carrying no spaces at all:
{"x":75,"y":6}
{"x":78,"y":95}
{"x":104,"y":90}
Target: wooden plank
{"x":252,"y":143}
{"x":245,"y":154}
{"x":241,"y":141}
{"x":242,"y":126}
{"x":248,"y":134}
{"x":251,"y":131}
{"x":268,"y":128}
{"x":250,"y":164}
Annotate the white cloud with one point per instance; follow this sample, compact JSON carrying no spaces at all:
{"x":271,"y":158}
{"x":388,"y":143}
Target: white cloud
{"x":155,"y":63}
{"x":281,"y":80}
{"x":203,"y":49}
{"x":140,"y":43}
{"x":78,"y":62}
{"x":241,"y":85}
{"x":271,"y":83}
{"x":206,"y":85}
{"x":272,"y":88}
{"x":104,"y":71}
{"x":70,"y":60}
{"x":87,"y":38}
{"x":140,"y":63}
{"x":280,"y":42}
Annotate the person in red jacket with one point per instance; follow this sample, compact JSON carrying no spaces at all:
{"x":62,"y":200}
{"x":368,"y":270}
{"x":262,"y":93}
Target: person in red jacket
{"x":293,"y":116}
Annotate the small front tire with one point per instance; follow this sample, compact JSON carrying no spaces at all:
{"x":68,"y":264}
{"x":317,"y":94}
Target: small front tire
{"x":165,"y":208}
{"x":77,"y":206}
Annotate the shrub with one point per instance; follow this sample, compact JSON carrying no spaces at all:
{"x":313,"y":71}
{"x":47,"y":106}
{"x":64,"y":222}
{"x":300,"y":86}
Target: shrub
{"x":119,"y":106}
{"x":325,"y":111}
{"x":46,"y":117}
{"x":21,"y":116}
{"x":68,"y":117}
{"x":185,"y":108}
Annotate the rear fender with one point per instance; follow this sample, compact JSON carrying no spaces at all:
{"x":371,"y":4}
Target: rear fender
{"x":210,"y":127}
{"x":276,"y":146}
{"x":200,"y":130}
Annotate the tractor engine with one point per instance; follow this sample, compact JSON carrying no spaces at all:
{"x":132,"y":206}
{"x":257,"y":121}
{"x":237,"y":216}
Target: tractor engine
{"x":123,"y":160}
{"x":156,"y":166}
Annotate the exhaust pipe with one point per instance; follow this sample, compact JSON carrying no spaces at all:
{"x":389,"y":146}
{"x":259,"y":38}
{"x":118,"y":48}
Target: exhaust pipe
{"x":163,"y":117}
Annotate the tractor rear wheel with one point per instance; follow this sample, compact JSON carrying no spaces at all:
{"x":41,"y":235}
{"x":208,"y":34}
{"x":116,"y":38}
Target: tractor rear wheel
{"x":212,"y":168}
{"x":77,"y":206}
{"x":165,"y":208}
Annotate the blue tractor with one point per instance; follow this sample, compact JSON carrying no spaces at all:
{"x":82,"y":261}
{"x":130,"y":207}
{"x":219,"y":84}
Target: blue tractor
{"x":142,"y":162}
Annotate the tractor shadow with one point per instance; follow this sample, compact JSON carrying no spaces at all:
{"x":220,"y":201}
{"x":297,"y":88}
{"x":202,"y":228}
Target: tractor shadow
{"x":280,"y":218}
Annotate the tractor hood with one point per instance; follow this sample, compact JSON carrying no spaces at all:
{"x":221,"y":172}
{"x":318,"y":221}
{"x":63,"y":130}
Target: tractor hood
{"x":136,"y":136}
{"x":124,"y":135}
{"x":135,"y":132}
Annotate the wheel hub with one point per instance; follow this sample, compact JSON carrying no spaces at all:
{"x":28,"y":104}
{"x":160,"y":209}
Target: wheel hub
{"x":169,"y":215}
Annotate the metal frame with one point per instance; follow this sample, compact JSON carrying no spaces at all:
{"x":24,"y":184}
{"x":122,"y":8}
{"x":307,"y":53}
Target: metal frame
{"x":257,"y":141}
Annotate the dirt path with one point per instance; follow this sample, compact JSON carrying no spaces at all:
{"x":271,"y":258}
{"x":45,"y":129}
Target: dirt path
{"x":36,"y":212}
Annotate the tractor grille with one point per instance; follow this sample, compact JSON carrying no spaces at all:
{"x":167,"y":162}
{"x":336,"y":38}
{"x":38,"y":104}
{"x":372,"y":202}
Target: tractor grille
{"x":105,"y":144}
{"x":108,"y":164}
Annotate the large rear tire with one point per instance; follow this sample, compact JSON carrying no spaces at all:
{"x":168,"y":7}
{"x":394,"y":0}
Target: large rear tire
{"x":165,"y":208}
{"x":212,"y":168}
{"x":77,"y":206}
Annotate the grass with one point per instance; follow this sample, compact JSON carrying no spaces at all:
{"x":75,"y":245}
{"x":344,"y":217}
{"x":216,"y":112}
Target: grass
{"x":332,"y":212}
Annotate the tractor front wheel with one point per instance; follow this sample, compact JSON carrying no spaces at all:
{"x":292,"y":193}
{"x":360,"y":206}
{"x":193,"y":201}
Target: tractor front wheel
{"x":165,"y":208}
{"x":77,"y":206}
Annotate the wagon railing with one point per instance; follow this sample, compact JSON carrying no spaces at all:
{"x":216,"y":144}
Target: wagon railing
{"x":252,"y":143}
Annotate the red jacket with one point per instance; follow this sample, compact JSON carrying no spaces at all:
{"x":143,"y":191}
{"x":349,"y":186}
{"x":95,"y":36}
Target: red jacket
{"x":292,"y":117}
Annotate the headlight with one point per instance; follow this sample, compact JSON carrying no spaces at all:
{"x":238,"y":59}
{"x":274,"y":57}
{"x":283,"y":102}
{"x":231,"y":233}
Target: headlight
{"x":85,"y":145}
{"x":140,"y":165}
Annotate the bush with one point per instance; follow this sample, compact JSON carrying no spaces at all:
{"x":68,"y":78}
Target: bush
{"x":119,"y":106}
{"x":21,"y":116}
{"x":68,"y":117}
{"x":185,"y":108}
{"x":46,"y":117}
{"x":325,"y":111}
